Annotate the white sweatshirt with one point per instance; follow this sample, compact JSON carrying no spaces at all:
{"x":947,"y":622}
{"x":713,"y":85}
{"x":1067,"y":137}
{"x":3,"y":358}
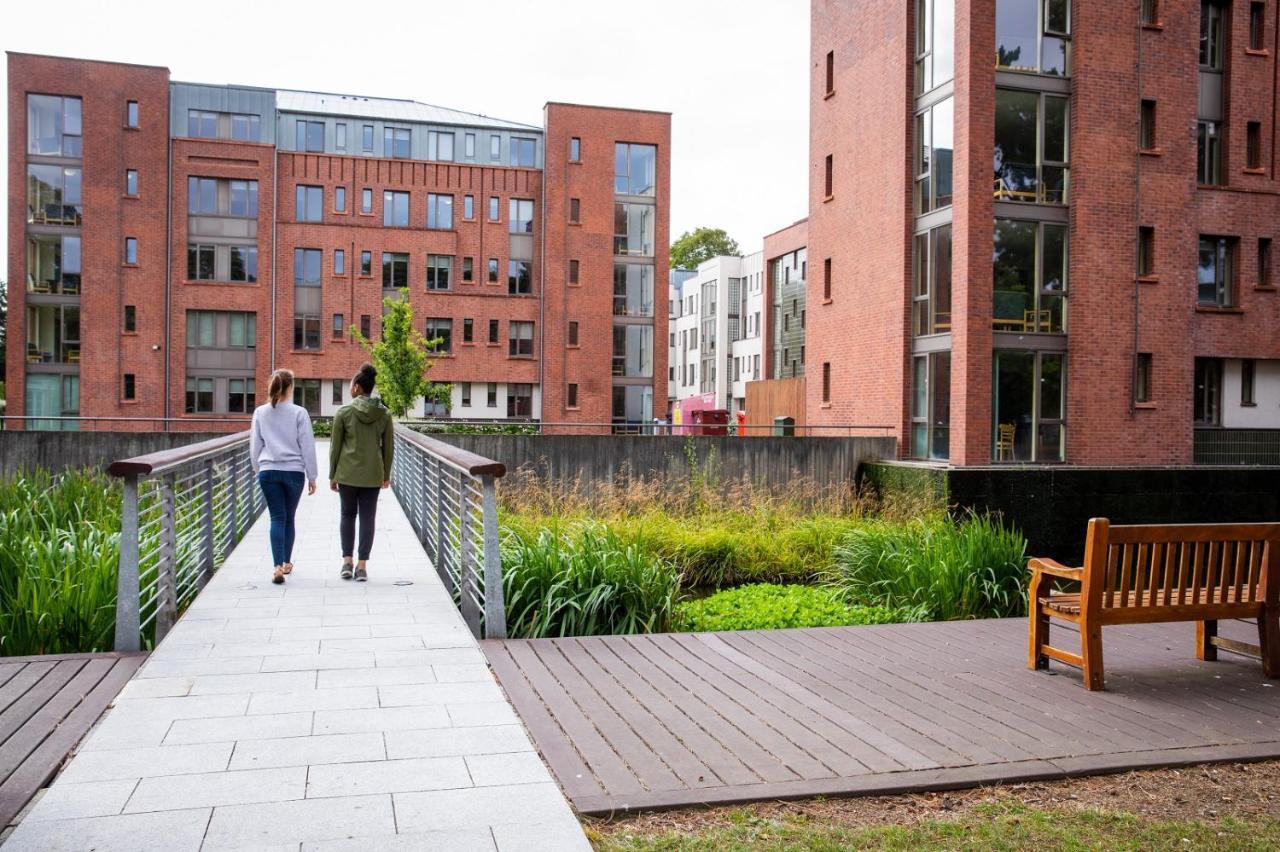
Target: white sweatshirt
{"x":281,"y":439}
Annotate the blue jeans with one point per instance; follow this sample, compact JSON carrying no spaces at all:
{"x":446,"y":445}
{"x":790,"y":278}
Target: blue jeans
{"x":282,"y":489}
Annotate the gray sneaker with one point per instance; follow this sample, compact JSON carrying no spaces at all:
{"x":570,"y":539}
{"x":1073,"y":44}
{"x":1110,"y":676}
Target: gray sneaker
{"x":361,"y":575}
{"x":346,"y":571}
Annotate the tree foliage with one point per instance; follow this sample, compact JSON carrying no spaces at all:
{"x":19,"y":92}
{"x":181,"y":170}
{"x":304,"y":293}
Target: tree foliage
{"x":402,"y":358}
{"x":702,"y":244}
{"x":4,"y":330}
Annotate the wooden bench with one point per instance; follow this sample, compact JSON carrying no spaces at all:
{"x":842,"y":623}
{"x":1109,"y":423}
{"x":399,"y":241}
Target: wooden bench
{"x":1161,"y":573}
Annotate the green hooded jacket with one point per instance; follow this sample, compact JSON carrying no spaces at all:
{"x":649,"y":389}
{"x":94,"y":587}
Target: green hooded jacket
{"x":362,"y":444}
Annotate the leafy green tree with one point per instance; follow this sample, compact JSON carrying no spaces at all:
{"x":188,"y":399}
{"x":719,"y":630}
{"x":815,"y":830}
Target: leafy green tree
{"x":702,"y":244}
{"x":4,"y":330}
{"x":402,"y":358}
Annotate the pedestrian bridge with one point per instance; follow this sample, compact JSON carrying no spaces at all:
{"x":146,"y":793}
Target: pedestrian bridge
{"x":319,"y":715}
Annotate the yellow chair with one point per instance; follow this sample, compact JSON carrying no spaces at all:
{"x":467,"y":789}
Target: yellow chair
{"x":1004,"y":441}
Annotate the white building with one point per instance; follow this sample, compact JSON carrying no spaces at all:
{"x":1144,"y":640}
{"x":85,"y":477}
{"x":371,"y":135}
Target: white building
{"x":716,"y":332}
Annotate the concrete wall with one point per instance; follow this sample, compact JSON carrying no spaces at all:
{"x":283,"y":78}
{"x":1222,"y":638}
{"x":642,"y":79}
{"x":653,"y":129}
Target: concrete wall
{"x":594,"y":458}
{"x":24,"y":450}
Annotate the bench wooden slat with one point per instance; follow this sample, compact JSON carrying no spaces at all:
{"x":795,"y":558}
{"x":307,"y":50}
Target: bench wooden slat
{"x":1255,"y":565}
{"x":1133,"y":534}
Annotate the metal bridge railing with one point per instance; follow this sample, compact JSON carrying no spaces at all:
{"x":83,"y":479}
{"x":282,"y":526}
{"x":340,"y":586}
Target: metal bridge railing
{"x":184,"y":510}
{"x":451,"y":499}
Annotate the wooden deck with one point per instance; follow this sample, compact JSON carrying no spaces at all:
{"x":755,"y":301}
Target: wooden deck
{"x":643,"y":722}
{"x":47,"y":704}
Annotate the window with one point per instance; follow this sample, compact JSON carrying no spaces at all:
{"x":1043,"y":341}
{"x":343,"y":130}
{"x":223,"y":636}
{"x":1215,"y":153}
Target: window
{"x":573,"y":271}
{"x":130,"y":383}
{"x":131,"y":250}
{"x":199,"y":396}
{"x":826,"y":278}
{"x":573,"y":333}
{"x":309,"y":203}
{"x":306,"y":393}
{"x":243,"y":200}
{"x":1147,"y":125}
{"x":466,"y":394}
{"x":1146,"y":251}
{"x":632,"y":407}
{"x":931,"y":264}
{"x":202,"y":124}
{"x":1028,"y":405}
{"x":340,"y":199}
{"x":439,"y":211}
{"x":827,"y":177}
{"x":340,"y":136}
{"x":309,"y":136}
{"x":245,"y":128}
{"x":1031,"y":147}
{"x":468,"y":273}
{"x":1208,"y":153}
{"x":520,"y":216}
{"x":1211,"y":43}
{"x":493,"y":331}
{"x":633,"y":351}
{"x":1253,"y":145}
{"x":366,"y":263}
{"x":493,"y":208}
{"x":571,"y":396}
{"x":468,"y":207}
{"x":1247,"y":370}
{"x":244,"y":263}
{"x":306,"y":331}
{"x":366,"y":326}
{"x":1257,"y":24}
{"x":826,"y":381}
{"x":395,"y":142}
{"x":366,"y":200}
{"x":524,"y":152}
{"x":53,"y":334}
{"x":395,"y":270}
{"x":519,"y":277}
{"x":1207,"y":408}
{"x":53,"y":264}
{"x":202,"y":196}
{"x":491,"y":395}
{"x":439,"y":145}
{"x":395,"y":209}
{"x":520,"y":400}
{"x":633,"y":229}
{"x":934,"y":147}
{"x":1215,"y":273}
{"x":520,"y":339}
{"x":468,"y":330}
{"x":130,"y":318}
{"x":54,"y":126}
{"x":831,"y":72}
{"x":339,"y":262}
{"x":575,"y":149}
{"x":131,"y":182}
{"x":635,"y":169}
{"x":306,"y":266}
{"x":440,"y":334}
{"x":1033,"y":37}
{"x":495,"y":147}
{"x":366,"y":138}
{"x":935,"y":45}
{"x":53,"y":195}
{"x":335,"y":391}
{"x":931,"y":406}
{"x":632,"y":290}
{"x":1142,"y":378}
{"x":131,"y":120}
{"x":438,"y":268}
{"x":1029,"y":266}
{"x":575,"y":210}
{"x":1264,"y":262}
{"x":493,"y":270}
{"x":1150,"y":12}
{"x":469,"y":146}
{"x":337,"y":326}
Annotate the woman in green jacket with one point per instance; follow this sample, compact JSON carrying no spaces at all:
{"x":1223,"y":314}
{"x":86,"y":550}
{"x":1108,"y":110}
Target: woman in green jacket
{"x":359,"y":466}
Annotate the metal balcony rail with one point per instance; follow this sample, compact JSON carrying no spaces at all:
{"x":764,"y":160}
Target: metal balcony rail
{"x":445,"y":425}
{"x":184,"y":510}
{"x":1236,"y":446}
{"x":451,"y":499}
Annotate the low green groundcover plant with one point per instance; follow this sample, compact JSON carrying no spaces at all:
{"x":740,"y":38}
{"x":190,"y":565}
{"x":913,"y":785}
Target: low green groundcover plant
{"x":766,"y":606}
{"x":59,"y":549}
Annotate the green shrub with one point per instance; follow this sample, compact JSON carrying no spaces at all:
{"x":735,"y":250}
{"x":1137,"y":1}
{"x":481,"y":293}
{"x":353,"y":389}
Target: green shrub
{"x":584,"y":580}
{"x":947,"y":569}
{"x":59,"y":552}
{"x":322,"y":428}
{"x":765,"y":606}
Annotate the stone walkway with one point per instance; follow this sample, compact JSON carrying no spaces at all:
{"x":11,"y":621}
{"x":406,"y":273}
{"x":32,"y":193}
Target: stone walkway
{"x":319,"y":715}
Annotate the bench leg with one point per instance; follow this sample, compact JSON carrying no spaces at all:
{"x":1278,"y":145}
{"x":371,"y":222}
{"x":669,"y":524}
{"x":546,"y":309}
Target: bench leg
{"x":1269,"y":641}
{"x":1206,"y":631}
{"x":1091,"y":651}
{"x":1038,"y":628}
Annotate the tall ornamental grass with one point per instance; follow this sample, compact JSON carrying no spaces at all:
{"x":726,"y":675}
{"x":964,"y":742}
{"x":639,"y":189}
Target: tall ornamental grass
{"x":59,"y":551}
{"x":583,"y":580}
{"x":940,"y":569}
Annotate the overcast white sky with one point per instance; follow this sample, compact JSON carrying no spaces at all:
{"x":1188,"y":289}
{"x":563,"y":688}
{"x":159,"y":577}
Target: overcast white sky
{"x":733,"y":73}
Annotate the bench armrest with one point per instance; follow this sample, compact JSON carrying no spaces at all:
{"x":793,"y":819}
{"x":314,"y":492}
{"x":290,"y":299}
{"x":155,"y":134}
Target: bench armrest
{"x":1044,"y":565}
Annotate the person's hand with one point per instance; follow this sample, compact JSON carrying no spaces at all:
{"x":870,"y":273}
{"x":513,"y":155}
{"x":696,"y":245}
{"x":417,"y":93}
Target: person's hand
{"x":386,"y":483}
{"x":311,"y":487}
{"x":333,"y":485}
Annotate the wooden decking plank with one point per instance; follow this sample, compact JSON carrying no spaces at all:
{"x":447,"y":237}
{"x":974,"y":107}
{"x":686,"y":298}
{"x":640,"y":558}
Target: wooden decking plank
{"x":50,"y":714}
{"x":8,"y":670}
{"x":645,"y":763}
{"x":615,"y":687}
{"x":573,"y":774}
{"x":40,"y":765}
{"x":605,"y":764}
{"x":18,"y":685}
{"x":35,"y":697}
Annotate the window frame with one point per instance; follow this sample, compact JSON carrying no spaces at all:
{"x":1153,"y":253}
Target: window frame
{"x":1209,"y":169}
{"x":517,"y":341}
{"x":1248,"y":383}
{"x":1142,"y":375}
{"x":303,"y":210}
{"x":1037,"y":405}
{"x":396,"y":207}
{"x":1042,"y":194}
{"x":395,"y":267}
{"x":1038,"y":288}
{"x":1147,"y":125}
{"x":926,"y":318}
{"x":132,"y":115}
{"x":924,"y":418}
{"x":436,"y":265}
{"x":1225,"y":252}
{"x":439,"y":211}
{"x":1043,"y":33}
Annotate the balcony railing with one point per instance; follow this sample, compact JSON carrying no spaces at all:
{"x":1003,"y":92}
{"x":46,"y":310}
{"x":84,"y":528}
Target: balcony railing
{"x":1237,"y":446}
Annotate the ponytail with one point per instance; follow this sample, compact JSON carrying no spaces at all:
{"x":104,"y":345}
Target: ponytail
{"x":366,"y":378}
{"x":281,"y":383}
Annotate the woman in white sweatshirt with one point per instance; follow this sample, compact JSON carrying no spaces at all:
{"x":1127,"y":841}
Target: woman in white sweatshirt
{"x":283,"y":449}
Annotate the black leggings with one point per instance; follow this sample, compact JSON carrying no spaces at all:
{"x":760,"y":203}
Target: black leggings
{"x":365,"y":502}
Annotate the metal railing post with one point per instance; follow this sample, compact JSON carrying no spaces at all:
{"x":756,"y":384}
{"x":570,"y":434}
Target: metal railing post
{"x":128,"y":636}
{"x":467,"y":575}
{"x":233,"y":534}
{"x":166,"y":590}
{"x":495,"y":614}
{"x":437,"y":554}
{"x":423,"y":490}
{"x":206,"y":571}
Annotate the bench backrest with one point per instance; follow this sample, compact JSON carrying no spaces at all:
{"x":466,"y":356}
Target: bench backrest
{"x":1142,"y":566}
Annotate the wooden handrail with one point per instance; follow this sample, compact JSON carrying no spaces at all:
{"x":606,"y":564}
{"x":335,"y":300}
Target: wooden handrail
{"x":455,"y":457}
{"x":163,"y":460}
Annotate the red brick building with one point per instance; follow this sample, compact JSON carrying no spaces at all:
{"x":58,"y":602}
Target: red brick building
{"x":178,"y":241}
{"x":1045,"y":227}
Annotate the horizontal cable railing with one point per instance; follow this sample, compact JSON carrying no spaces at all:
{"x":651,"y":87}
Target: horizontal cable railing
{"x":451,"y":498}
{"x":184,"y":510}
